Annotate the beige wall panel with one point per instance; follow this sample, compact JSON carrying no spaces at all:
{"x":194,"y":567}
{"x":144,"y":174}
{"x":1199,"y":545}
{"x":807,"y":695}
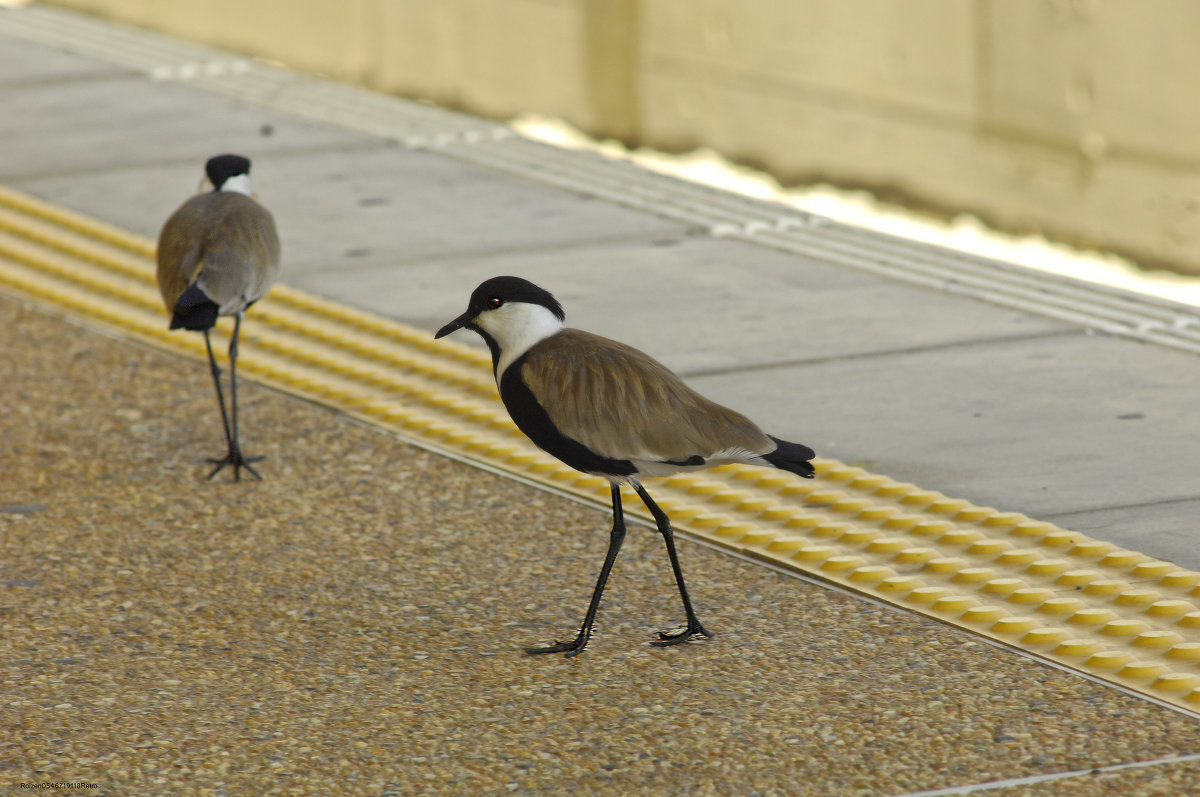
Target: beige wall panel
{"x":419,"y":49}
{"x":1020,"y":185}
{"x":1125,"y":74}
{"x":915,"y":54}
{"x":329,"y":37}
{"x":523,"y":54}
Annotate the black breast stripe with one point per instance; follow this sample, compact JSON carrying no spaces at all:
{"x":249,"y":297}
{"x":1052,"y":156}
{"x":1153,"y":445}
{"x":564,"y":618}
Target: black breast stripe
{"x":531,"y":418}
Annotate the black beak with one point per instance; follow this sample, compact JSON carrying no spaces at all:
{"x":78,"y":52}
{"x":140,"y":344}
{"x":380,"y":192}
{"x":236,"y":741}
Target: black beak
{"x":457,"y":323}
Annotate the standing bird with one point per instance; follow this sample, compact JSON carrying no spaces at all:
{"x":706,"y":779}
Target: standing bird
{"x":607,"y":409}
{"x":217,"y":255}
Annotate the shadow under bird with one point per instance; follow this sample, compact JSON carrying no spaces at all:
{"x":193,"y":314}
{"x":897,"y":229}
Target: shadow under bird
{"x":607,"y":409}
{"x":217,"y":255}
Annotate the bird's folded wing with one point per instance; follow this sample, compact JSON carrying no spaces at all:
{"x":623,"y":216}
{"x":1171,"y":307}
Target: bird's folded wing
{"x":623,"y":404}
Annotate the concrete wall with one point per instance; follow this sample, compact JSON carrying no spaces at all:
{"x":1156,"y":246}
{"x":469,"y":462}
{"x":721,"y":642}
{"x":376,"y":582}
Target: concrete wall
{"x":1076,"y":118}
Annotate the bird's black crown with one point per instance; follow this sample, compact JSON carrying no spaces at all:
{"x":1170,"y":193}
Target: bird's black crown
{"x":221,"y":167}
{"x":514,"y":289}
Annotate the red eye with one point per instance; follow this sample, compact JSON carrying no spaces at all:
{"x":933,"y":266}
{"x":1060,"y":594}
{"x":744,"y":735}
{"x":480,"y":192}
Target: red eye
{"x":494,"y":302}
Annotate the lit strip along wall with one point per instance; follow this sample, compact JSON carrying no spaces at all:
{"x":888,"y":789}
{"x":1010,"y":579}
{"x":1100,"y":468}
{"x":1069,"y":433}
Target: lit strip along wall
{"x":1116,"y":614}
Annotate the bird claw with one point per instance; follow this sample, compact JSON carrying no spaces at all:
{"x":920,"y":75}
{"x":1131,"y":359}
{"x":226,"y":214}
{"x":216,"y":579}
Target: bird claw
{"x":238,"y":461}
{"x":571,"y":649}
{"x":683,"y":634}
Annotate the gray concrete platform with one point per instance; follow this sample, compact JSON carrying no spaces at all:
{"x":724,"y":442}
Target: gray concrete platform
{"x":1009,"y":406}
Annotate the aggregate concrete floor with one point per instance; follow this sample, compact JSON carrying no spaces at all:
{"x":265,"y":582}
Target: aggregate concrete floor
{"x":353,"y":624}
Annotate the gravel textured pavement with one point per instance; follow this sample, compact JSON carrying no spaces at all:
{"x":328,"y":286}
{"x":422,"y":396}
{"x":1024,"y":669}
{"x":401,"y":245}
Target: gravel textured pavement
{"x":353,"y":624}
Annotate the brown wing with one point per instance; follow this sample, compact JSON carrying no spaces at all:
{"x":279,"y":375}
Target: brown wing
{"x":229,"y":238}
{"x":624,"y":404}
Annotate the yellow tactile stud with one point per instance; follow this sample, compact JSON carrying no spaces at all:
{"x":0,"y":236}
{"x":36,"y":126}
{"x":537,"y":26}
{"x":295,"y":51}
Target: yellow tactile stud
{"x":983,"y":614}
{"x":1045,"y":636}
{"x":902,"y":522}
{"x":1061,"y":539}
{"x":1187,"y":651}
{"x":917,"y":497}
{"x":948,"y":506}
{"x":831,"y":529}
{"x":1123,"y":559}
{"x":944,"y":564}
{"x":1180,"y":579}
{"x":1061,"y":606}
{"x":755,"y":505}
{"x":1077,"y":647}
{"x":1124,"y":627}
{"x":1047,"y":567}
{"x":1154,"y":570}
{"x":1004,"y":519}
{"x":1015,"y":625}
{"x":973,"y":575}
{"x":888,"y":545}
{"x":915,"y":555}
{"x":787,"y":546}
{"x":843,"y":562}
{"x":850,"y":506}
{"x":814,"y":553}
{"x":1031,"y":595}
{"x":953,"y":604}
{"x":752,"y":535}
{"x":960,"y":537}
{"x":1142,"y":669}
{"x":871,"y":574}
{"x":1137,"y":597}
{"x":900,"y":584}
{"x":1106,"y":586}
{"x":805,"y":520}
{"x":872,"y":481}
{"x":859,"y":536}
{"x":1002,"y":586}
{"x":733,"y":531}
{"x":931,"y":528}
{"x":1077,"y":578}
{"x":875,"y":514}
{"x":787,"y":515}
{"x":1092,"y":548}
{"x":1157,"y":639}
{"x":1017,"y":557}
{"x":928,"y":594}
{"x":1176,"y":682}
{"x":1032,"y":528}
{"x":989,"y":547}
{"x":1092,"y":616}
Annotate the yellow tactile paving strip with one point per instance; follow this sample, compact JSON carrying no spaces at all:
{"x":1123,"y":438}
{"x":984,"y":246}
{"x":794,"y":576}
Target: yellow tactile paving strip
{"x":1116,"y":614}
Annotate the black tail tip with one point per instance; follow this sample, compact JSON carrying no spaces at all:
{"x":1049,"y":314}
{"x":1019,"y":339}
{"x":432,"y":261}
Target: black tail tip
{"x":194,"y":311}
{"x":792,"y":457}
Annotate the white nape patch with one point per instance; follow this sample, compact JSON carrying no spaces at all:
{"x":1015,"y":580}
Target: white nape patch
{"x":516,"y":327}
{"x":238,"y":184}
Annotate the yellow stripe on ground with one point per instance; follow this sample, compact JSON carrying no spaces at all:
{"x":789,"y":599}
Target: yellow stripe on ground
{"x":1116,"y":614}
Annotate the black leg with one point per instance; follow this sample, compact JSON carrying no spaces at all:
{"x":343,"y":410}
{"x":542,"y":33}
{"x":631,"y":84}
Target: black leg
{"x":234,"y":457}
{"x":216,"y":375}
{"x":576,"y":646}
{"x":664,"y":527}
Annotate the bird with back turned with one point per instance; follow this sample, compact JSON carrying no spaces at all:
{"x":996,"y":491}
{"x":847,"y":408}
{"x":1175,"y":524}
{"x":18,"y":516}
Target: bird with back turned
{"x":217,"y":255}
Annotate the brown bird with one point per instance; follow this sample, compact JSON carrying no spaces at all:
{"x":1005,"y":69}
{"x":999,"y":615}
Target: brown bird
{"x":217,"y":255}
{"x":607,"y":409}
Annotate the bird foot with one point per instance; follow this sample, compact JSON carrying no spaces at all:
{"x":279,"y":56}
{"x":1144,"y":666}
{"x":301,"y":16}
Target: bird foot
{"x":680,"y":635}
{"x":572,"y":648}
{"x":238,"y":461}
